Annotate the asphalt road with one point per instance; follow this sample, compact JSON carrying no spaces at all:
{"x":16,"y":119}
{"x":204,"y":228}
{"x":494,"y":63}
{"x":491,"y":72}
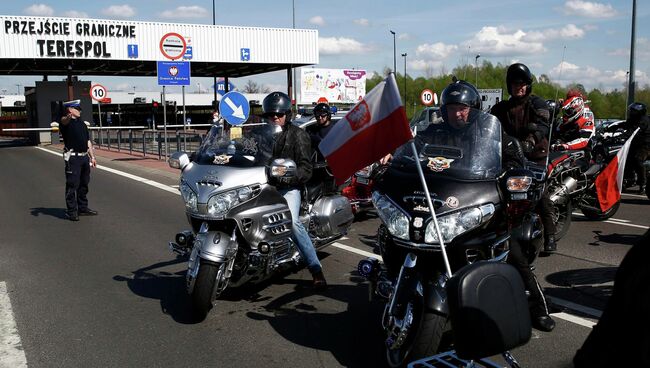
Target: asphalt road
{"x":106,"y":291}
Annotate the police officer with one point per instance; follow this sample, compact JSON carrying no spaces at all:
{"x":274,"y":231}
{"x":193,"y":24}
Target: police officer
{"x":79,"y":157}
{"x":294,"y":143}
{"x":526,"y":117}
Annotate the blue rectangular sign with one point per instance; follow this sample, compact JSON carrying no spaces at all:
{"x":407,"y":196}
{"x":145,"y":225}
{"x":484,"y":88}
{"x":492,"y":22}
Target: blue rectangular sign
{"x":245,"y":54}
{"x":173,"y":73}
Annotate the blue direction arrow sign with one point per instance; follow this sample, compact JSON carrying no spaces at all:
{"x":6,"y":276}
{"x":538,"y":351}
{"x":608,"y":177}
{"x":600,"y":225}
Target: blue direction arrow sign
{"x":173,"y":73}
{"x":234,"y":108}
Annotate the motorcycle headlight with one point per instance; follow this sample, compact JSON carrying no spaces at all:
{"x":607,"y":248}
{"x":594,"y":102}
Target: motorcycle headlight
{"x":519,"y":183}
{"x":395,"y":220}
{"x":189,"y":197}
{"x":221,"y":203}
{"x":456,"y":223}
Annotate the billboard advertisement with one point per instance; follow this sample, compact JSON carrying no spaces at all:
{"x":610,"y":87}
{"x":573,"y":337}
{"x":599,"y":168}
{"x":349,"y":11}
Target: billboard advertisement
{"x":490,"y":97}
{"x":335,"y":85}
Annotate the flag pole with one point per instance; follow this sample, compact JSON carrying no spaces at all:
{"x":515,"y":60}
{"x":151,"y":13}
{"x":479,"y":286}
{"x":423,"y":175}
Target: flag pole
{"x":433,"y":212}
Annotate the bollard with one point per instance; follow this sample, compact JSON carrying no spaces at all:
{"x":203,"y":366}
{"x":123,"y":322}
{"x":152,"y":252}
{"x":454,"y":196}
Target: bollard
{"x":108,"y":140}
{"x":144,"y":144}
{"x":159,"y":146}
{"x":178,"y":141}
{"x":119,"y":140}
{"x":130,"y":142}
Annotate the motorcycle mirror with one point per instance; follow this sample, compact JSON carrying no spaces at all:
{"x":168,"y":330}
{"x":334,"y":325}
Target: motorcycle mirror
{"x":283,"y":167}
{"x":179,"y":160}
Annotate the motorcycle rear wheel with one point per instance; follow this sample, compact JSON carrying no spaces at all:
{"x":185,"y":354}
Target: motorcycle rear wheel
{"x":562,"y":219}
{"x":428,"y":339}
{"x":203,"y":292}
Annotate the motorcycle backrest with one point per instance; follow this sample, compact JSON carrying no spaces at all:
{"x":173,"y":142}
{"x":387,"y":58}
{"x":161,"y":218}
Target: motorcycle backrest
{"x":488,"y":310}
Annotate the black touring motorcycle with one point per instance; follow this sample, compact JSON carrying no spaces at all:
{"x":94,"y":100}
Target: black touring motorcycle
{"x":480,"y":209}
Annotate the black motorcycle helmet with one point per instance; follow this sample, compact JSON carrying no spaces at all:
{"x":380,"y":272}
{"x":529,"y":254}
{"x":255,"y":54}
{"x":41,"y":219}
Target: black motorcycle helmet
{"x":459,"y":92}
{"x":323,"y":109}
{"x":277,"y":102}
{"x":636,"y":111}
{"x":519,"y":71}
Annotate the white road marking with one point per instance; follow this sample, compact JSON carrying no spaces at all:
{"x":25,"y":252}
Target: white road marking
{"x":126,"y":175}
{"x":12,"y":353}
{"x":634,"y":195}
{"x":565,"y":316}
{"x":573,"y":319}
{"x":616,"y":221}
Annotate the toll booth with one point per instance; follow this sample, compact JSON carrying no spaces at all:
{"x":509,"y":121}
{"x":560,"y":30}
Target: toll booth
{"x":43,"y":105}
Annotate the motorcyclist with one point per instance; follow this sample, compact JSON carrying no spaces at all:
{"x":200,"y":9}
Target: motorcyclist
{"x":458,"y":102}
{"x":640,"y":148}
{"x":323,"y":115}
{"x":293,"y":143}
{"x":526,"y":117}
{"x":577,"y":127}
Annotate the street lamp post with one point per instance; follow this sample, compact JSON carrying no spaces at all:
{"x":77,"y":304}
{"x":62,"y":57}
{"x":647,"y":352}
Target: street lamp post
{"x":404,"y":55}
{"x":476,"y":66}
{"x":394,"y":54}
{"x":214,"y":78}
{"x":18,"y":87}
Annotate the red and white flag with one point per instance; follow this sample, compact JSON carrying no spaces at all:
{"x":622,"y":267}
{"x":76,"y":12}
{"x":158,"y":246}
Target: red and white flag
{"x":609,"y":183}
{"x":375,"y":126}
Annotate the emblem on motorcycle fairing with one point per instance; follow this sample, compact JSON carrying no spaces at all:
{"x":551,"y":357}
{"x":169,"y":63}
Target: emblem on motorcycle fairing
{"x":221,"y":159}
{"x":420,"y":208}
{"x":249,"y":146}
{"x":417,"y":222}
{"x":438,"y":164}
{"x":452,"y":202}
{"x":359,"y":116}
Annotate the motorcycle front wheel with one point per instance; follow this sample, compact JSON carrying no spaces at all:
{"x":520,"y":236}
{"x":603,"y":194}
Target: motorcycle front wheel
{"x":204,"y":285}
{"x":428,"y":339}
{"x":562,"y":219}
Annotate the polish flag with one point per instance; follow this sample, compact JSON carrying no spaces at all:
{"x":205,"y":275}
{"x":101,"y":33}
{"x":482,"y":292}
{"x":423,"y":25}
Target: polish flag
{"x":374,"y":127}
{"x":609,"y":183}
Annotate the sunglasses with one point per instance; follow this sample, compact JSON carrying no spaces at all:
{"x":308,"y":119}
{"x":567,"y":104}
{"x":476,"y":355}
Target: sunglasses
{"x":272,"y":114}
{"x":321,"y":116}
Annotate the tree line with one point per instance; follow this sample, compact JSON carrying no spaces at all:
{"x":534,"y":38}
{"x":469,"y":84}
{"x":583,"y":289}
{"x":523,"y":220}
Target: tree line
{"x":605,"y":104}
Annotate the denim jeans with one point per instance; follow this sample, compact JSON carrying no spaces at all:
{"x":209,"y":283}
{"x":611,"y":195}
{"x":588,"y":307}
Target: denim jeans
{"x":299,"y":233}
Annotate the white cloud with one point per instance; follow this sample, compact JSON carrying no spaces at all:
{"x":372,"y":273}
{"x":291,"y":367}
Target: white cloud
{"x":590,"y":27}
{"x":317,"y":20}
{"x":119,"y":11}
{"x":75,"y":14}
{"x":641,"y":52}
{"x":39,"y":10}
{"x":340,"y":45}
{"x":570,"y":31}
{"x":362,"y":22}
{"x":404,"y":36}
{"x":423,"y":65}
{"x":592,"y":77}
{"x":496,"y":41}
{"x":436,"y":51}
{"x":589,"y":9}
{"x":193,"y":11}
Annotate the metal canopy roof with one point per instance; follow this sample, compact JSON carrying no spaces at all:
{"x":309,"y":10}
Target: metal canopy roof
{"x":62,"y":46}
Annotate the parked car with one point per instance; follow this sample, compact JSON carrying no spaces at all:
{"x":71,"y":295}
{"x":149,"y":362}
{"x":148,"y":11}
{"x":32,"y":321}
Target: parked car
{"x":424,"y":117}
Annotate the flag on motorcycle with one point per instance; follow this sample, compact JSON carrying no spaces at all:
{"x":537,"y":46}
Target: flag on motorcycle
{"x":609,"y":183}
{"x":375,"y":126}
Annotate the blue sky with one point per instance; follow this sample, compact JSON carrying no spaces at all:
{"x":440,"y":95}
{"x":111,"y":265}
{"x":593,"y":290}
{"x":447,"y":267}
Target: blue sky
{"x":436,"y":35}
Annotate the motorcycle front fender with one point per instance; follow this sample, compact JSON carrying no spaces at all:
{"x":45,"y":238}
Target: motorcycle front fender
{"x":215,"y":246}
{"x":435,"y":297}
{"x":529,"y":229}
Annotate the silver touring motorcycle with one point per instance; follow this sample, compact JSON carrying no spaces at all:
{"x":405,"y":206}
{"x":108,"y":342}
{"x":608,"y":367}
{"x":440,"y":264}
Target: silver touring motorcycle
{"x":240,"y":224}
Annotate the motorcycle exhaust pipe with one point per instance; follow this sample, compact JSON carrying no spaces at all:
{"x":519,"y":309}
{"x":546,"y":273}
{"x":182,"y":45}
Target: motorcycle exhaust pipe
{"x":561,"y":194}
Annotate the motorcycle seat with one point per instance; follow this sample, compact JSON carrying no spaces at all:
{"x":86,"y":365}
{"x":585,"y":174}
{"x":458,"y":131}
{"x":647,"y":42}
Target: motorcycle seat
{"x":313,"y":190}
{"x":488,"y":310}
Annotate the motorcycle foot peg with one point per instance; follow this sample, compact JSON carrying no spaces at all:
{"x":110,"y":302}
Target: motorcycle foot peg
{"x":368,"y":268}
{"x":180,"y":250}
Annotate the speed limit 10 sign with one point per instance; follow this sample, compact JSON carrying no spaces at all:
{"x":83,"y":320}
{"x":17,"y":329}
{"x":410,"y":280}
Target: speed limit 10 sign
{"x":98,"y":92}
{"x":427,"y":97}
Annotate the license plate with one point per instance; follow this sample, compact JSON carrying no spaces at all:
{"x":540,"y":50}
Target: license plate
{"x":361,"y":180}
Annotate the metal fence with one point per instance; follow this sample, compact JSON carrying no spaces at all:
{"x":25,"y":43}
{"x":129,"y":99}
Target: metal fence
{"x":147,"y":142}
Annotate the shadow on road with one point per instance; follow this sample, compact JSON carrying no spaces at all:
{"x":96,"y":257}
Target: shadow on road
{"x":54,"y":212}
{"x":169,"y":288}
{"x":590,"y":287}
{"x":615,"y":238}
{"x":353,"y":336}
{"x":640,"y":201}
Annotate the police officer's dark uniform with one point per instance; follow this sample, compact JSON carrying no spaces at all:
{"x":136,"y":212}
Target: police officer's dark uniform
{"x":78,"y":157}
{"x":527,"y":119}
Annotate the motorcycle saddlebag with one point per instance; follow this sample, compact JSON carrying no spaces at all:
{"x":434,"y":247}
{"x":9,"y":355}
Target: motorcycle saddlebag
{"x":488,"y":310}
{"x":334,"y":215}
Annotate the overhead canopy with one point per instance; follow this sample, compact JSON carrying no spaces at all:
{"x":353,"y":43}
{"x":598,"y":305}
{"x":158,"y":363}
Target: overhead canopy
{"x":62,"y":46}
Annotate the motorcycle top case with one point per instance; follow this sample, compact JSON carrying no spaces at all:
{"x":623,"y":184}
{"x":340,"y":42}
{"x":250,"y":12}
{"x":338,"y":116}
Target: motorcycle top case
{"x":488,"y":310}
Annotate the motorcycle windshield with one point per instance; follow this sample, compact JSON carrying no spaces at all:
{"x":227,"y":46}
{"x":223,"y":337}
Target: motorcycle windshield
{"x":464,"y":150}
{"x":253,"y":148}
